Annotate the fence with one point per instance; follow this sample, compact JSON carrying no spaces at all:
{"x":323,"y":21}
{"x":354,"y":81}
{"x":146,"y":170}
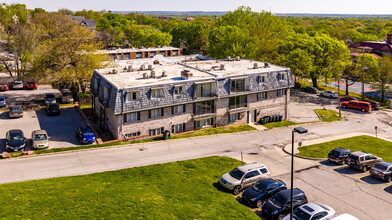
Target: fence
{"x":84,"y":99}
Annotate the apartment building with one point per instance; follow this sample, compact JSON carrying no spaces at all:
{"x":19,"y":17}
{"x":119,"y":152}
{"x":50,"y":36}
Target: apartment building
{"x":149,"y":97}
{"x":141,"y":52}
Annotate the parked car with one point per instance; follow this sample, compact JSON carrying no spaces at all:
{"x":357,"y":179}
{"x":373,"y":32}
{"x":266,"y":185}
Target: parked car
{"x":50,"y":98}
{"x":3,"y":102}
{"x":359,"y":105}
{"x":14,"y":140}
{"x":244,"y":176}
{"x":313,"y":211}
{"x":345,"y":216}
{"x":339,"y":155}
{"x":53,"y":109}
{"x":16,"y":111}
{"x":375,"y":105}
{"x":17,"y":85}
{"x":361,"y":160}
{"x":297,"y":85}
{"x":329,"y":94}
{"x":85,"y":135}
{"x":66,"y":96}
{"x":262,"y":190}
{"x":4,"y":87}
{"x":348,"y":98}
{"x":310,"y":90}
{"x":382,"y":170}
{"x":279,"y":204}
{"x":39,"y":139}
{"x":31,"y":84}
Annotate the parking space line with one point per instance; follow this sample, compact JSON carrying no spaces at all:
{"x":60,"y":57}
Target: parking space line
{"x":387,"y":186}
{"x":364,"y":176}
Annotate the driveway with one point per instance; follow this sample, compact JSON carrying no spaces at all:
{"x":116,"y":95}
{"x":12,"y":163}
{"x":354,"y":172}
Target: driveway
{"x":60,"y":128}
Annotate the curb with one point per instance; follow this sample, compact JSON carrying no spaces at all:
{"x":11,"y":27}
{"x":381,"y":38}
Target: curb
{"x":302,"y":157}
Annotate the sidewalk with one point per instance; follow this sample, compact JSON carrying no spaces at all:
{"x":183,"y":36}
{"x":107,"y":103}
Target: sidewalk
{"x":287,"y":148}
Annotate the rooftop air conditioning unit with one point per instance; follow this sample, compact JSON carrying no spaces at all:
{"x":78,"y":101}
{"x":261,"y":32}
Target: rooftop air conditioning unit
{"x":266,"y":65}
{"x":228,"y":58}
{"x":152,"y":74}
{"x":130,"y":69}
{"x":255,"y":66}
{"x":145,"y":76}
{"x":164,"y":74}
{"x":142,"y":67}
{"x":237,"y":58}
{"x":222,"y":67}
{"x":150,"y":67}
{"x":185,"y":74}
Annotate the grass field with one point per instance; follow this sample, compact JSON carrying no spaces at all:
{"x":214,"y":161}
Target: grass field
{"x":178,"y":190}
{"x":328,"y":115}
{"x":367,"y":144}
{"x":279,"y":124}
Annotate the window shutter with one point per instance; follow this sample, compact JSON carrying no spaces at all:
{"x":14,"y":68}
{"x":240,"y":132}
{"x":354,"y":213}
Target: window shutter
{"x":194,"y":109}
{"x":149,"y":113}
{"x":162,"y":111}
{"x":246,"y":100}
{"x":138,"y":116}
{"x":172,"y":110}
{"x":212,"y":121}
{"x":212,"y":106}
{"x":184,"y":127}
{"x":194,"y":125}
{"x":183,"y":108}
{"x":162,"y":129}
{"x":172,"y":128}
{"x":229,"y":117}
{"x":285,"y":91}
{"x":125,"y":117}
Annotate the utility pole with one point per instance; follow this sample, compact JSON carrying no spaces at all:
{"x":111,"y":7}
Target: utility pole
{"x":363,"y":73}
{"x":340,"y":113}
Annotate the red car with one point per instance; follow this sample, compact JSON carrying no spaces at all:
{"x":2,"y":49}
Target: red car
{"x":3,"y":87}
{"x":31,"y":84}
{"x":359,"y":105}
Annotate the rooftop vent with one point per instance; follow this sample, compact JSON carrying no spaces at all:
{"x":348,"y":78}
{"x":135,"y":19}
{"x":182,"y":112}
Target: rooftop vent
{"x":145,"y":76}
{"x":130,"y":69}
{"x":228,"y":58}
{"x":266,"y":65}
{"x":255,"y":66}
{"x":222,"y":67}
{"x":150,"y":67}
{"x":142,"y":67}
{"x":237,"y":58}
{"x":164,"y":74}
{"x":114,"y":71}
{"x":152,"y":74}
{"x":185,"y":74}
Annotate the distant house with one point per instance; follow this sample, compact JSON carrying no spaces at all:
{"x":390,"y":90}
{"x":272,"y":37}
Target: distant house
{"x":141,"y":52}
{"x":189,"y":19}
{"x":87,"y":23}
{"x":376,"y":48}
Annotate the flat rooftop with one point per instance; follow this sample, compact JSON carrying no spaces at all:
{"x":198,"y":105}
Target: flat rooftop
{"x":145,"y":49}
{"x":207,"y":69}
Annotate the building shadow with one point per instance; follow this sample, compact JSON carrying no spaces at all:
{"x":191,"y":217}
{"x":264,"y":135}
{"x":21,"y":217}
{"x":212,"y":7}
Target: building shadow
{"x":61,"y":128}
{"x":347,"y":170}
{"x":371,"y":180}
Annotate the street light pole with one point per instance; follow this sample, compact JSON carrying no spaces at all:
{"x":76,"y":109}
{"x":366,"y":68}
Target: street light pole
{"x":363,"y":74}
{"x":299,"y":130}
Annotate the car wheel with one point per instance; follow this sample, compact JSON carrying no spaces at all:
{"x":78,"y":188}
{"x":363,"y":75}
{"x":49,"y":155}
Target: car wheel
{"x":236,"y":190}
{"x":363,"y":110}
{"x":344,"y":106}
{"x":389,"y":179}
{"x":364,"y":168}
{"x":259,"y":203}
{"x":280,"y":217}
{"x":343,"y":162}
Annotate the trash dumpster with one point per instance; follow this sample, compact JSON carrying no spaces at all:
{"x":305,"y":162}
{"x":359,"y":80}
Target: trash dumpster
{"x":266,"y":119}
{"x":166,"y":134}
{"x":280,"y":117}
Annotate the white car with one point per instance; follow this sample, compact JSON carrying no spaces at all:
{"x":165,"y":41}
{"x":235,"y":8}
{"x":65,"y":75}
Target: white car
{"x":346,"y":216}
{"x":329,"y":94}
{"x":312,"y":211}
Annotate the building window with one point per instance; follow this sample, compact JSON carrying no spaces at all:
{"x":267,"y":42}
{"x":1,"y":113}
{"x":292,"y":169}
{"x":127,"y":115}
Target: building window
{"x":132,"y":134}
{"x":131,"y":96}
{"x":156,"y":131}
{"x":178,"y":109}
{"x":179,"y":89}
{"x":105,"y":94}
{"x":154,"y":113}
{"x":281,"y":76}
{"x":237,"y":102}
{"x":127,"y":56}
{"x":134,"y":116}
{"x":239,"y":85}
{"x":281,"y":92}
{"x":261,"y":95}
{"x":95,"y":85}
{"x":157,"y":93}
{"x":152,"y":54}
{"x":262,"y":79}
{"x":174,"y":53}
{"x":204,"y":90}
{"x":179,"y":128}
{"x":112,"y":56}
{"x":204,"y":123}
{"x":139,"y":55}
{"x":203,"y":107}
{"x":234,"y":117}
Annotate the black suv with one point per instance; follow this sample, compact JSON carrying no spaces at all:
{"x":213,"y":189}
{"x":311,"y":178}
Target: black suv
{"x":382,"y":170}
{"x":262,"y":190}
{"x":361,"y":160}
{"x":279,"y":204}
{"x":310,"y":90}
{"x":339,"y":155}
{"x":375,"y":105}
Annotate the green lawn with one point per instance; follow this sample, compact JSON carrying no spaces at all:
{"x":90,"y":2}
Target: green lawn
{"x":178,"y":190}
{"x":279,"y":124}
{"x":328,"y":115}
{"x":368,"y":144}
{"x":207,"y":131}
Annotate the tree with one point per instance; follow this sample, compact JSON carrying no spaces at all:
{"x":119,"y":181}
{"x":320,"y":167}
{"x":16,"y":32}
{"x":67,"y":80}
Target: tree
{"x":382,"y":76}
{"x":66,"y":56}
{"x":192,"y":36}
{"x":298,"y":60}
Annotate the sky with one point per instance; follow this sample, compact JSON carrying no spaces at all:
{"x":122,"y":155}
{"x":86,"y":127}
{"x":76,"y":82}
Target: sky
{"x":275,"y":6}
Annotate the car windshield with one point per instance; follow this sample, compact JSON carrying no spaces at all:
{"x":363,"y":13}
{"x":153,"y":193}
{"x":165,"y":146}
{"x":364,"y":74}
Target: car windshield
{"x":53,"y":107}
{"x":50,"y":96}
{"x":381,"y":166}
{"x":87,"y":131}
{"x":40,"y":137}
{"x":259,"y":187}
{"x":236,"y":173}
{"x":335,"y":153}
{"x":67,"y":94}
{"x":298,"y":214}
{"x":279,"y":200}
{"x":2,"y":99}
{"x":16,"y":137}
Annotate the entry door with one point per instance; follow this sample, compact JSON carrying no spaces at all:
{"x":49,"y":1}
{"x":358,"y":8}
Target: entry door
{"x":251,"y":116}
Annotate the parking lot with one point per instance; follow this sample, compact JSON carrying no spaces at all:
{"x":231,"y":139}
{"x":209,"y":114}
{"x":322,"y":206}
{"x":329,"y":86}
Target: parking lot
{"x":61,"y":129}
